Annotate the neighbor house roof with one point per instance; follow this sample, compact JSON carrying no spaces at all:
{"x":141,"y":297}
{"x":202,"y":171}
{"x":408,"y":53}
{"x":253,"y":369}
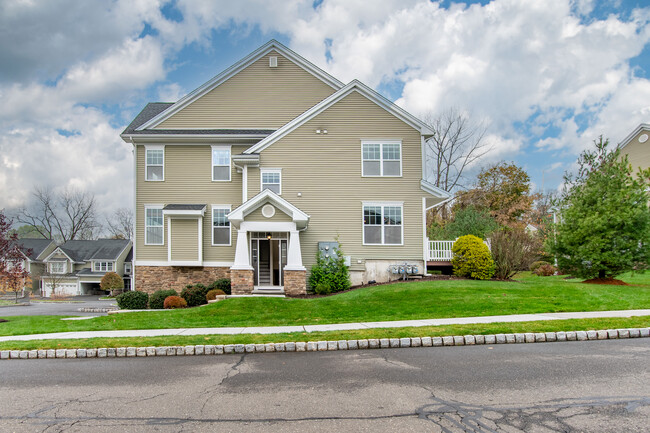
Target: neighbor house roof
{"x":33,"y":248}
{"x":100,"y":249}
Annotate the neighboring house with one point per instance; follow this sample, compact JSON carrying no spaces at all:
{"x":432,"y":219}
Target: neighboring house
{"x":247,"y":175}
{"x":77,"y":267}
{"x":637,"y":147}
{"x":35,"y":251}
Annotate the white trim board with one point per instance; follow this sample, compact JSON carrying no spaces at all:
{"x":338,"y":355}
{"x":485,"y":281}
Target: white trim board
{"x":272,"y":45}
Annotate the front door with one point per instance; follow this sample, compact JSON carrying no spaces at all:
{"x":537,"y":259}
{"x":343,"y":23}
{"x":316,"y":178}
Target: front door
{"x":268,"y":257}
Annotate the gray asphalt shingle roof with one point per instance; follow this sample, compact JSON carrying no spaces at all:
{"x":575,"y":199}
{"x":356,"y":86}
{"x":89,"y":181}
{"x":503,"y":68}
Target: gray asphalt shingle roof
{"x":100,"y":249}
{"x":37,"y":246}
{"x":184,"y":207}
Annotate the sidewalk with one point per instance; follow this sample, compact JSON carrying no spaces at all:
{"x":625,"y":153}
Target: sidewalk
{"x":330,"y":327}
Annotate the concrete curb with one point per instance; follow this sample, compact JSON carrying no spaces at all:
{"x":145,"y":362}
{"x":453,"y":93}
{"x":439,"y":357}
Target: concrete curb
{"x":321,"y":346}
{"x":97,"y":310}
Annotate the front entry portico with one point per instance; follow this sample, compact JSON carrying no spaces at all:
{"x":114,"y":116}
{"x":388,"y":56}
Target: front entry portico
{"x":267,"y":254}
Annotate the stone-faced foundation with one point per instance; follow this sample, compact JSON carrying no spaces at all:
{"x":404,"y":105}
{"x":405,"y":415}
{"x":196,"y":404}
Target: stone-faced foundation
{"x":151,"y":278}
{"x":241,"y":281}
{"x":295,"y":282}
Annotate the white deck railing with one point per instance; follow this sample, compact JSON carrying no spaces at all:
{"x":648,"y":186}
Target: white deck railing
{"x":440,"y":251}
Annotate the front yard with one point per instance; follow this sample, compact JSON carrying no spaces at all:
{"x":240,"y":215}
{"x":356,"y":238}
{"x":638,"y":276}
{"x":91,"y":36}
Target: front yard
{"x":400,"y":301}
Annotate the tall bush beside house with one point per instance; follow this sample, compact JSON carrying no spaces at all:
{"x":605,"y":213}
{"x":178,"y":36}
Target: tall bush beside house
{"x":472,"y":259}
{"x":329,"y":274}
{"x":157,"y":298}
{"x":604,"y":227}
{"x":513,"y":250}
{"x":112,"y":282}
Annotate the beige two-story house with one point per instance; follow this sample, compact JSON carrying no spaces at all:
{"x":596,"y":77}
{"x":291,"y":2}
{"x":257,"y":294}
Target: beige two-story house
{"x":248,"y":175}
{"x":637,"y":147}
{"x":77,"y":267}
{"x":34,"y":252}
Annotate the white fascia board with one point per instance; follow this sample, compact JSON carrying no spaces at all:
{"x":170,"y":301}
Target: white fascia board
{"x":174,"y":138}
{"x":326,"y":103}
{"x":62,"y":252}
{"x":240,"y":212}
{"x":184,"y":213}
{"x":434,"y":190}
{"x":633,"y":134}
{"x":272,"y":45}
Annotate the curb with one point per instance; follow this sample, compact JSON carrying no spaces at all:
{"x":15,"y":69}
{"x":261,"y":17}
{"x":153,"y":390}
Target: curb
{"x":97,"y":310}
{"x":322,"y":346}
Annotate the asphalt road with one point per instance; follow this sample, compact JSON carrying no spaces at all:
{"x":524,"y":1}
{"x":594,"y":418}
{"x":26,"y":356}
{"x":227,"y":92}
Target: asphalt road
{"x":57,"y":308}
{"x":599,"y":386}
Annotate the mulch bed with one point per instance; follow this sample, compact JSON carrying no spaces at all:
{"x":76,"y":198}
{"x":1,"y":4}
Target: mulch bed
{"x":427,"y":278}
{"x":608,"y":281}
{"x":3,"y":320}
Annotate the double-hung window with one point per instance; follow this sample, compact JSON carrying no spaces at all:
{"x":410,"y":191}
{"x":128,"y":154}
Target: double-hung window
{"x":57,"y":267}
{"x":221,"y":163}
{"x":271,"y":179}
{"x":127,"y":268}
{"x":153,"y":225}
{"x":382,"y":224}
{"x":220,"y":225}
{"x":381,"y":158}
{"x":155,"y":163}
{"x":103,"y":266}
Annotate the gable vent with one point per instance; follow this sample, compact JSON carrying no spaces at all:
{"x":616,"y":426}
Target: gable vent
{"x":273,"y":62}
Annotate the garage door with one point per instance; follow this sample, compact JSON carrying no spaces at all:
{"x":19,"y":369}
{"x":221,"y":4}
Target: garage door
{"x":69,"y":289}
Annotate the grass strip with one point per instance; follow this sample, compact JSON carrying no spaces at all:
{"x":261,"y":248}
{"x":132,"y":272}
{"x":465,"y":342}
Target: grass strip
{"x":425,"y":331}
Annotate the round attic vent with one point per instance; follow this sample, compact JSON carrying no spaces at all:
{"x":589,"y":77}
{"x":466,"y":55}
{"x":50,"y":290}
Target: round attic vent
{"x":268,"y":210}
{"x":643,"y":138}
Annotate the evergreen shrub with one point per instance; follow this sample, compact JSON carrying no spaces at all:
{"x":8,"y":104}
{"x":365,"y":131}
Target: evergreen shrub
{"x":133,"y":300}
{"x":472,"y":258}
{"x":195,"y":295}
{"x":212,"y":294}
{"x":157,"y":298}
{"x":221,"y":284}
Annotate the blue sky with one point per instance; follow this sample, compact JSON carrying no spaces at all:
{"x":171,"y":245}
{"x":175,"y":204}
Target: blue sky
{"x":547,"y":77}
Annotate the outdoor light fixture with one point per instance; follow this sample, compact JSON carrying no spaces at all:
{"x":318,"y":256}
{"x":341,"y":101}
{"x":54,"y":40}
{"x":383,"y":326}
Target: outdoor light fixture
{"x":268,"y":236}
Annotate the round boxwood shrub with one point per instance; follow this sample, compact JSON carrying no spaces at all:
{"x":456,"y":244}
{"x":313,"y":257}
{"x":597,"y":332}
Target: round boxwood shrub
{"x":221,"y":284}
{"x":195,"y":295}
{"x":535,"y":265}
{"x":157,"y":298}
{"x":212,"y":294}
{"x":173,"y":301}
{"x":472,"y":258}
{"x":133,"y":300}
{"x":545,"y":270}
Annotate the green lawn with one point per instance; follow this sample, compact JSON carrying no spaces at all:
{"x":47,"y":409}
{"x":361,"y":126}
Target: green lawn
{"x":402,"y":301}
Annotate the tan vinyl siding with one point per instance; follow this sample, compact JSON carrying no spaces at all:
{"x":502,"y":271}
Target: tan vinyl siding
{"x":185,"y":234}
{"x":326,"y":170}
{"x":188,"y":180}
{"x":257,"y":97}
{"x":278,"y":217}
{"x":119,"y":264}
{"x":638,"y":154}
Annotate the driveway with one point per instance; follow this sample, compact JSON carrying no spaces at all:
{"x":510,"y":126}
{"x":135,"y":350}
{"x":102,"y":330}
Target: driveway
{"x":57,"y":308}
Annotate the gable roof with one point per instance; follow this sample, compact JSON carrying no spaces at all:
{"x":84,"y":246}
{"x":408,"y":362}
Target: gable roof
{"x":100,"y":249}
{"x":272,"y":45}
{"x":352,"y":86}
{"x":629,"y":138}
{"x":267,"y":196}
{"x":34,"y":247}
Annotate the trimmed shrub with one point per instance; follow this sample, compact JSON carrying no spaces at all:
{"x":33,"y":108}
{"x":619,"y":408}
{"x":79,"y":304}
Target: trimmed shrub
{"x":157,"y":298}
{"x":322,"y":288}
{"x":112,"y":282}
{"x":172,"y":302}
{"x":133,"y":300}
{"x":472,"y":258}
{"x":195,"y":295}
{"x":330,"y":272}
{"x":533,"y":267}
{"x":221,"y":284}
{"x":212,"y":294}
{"x":545,"y":270}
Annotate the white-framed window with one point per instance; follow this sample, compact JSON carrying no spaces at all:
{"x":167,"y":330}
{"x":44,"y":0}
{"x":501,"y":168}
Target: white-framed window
{"x":57,"y":267}
{"x":381,"y":158}
{"x":153,"y":225}
{"x":220,"y":225}
{"x":155,"y":163}
{"x":103,"y":266}
{"x":382,"y":224}
{"x":127,"y":268}
{"x":271,"y":178}
{"x":220,"y":163}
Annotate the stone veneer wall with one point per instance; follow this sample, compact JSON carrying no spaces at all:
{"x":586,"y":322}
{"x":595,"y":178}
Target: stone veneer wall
{"x":151,"y":278}
{"x":241,"y":281}
{"x":295,"y":283}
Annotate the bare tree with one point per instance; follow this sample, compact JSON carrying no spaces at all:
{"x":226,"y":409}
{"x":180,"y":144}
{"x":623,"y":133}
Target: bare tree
{"x":457,"y":142}
{"x":63,"y":216}
{"x":120,"y":223}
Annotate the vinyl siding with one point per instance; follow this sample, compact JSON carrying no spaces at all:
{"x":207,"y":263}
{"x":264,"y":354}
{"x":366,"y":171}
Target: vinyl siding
{"x":188,"y":179}
{"x":185,"y":234}
{"x":638,"y":153}
{"x":257,"y":97}
{"x":326,"y":170}
{"x":279,"y":216}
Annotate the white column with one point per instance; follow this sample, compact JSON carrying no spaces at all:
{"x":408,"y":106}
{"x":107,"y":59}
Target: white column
{"x":294,"y":256}
{"x":241,"y":251}
{"x":244,"y":184}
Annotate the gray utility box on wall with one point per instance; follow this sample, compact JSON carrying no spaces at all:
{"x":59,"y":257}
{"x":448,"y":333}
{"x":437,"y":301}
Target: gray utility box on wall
{"x":328,"y":249}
